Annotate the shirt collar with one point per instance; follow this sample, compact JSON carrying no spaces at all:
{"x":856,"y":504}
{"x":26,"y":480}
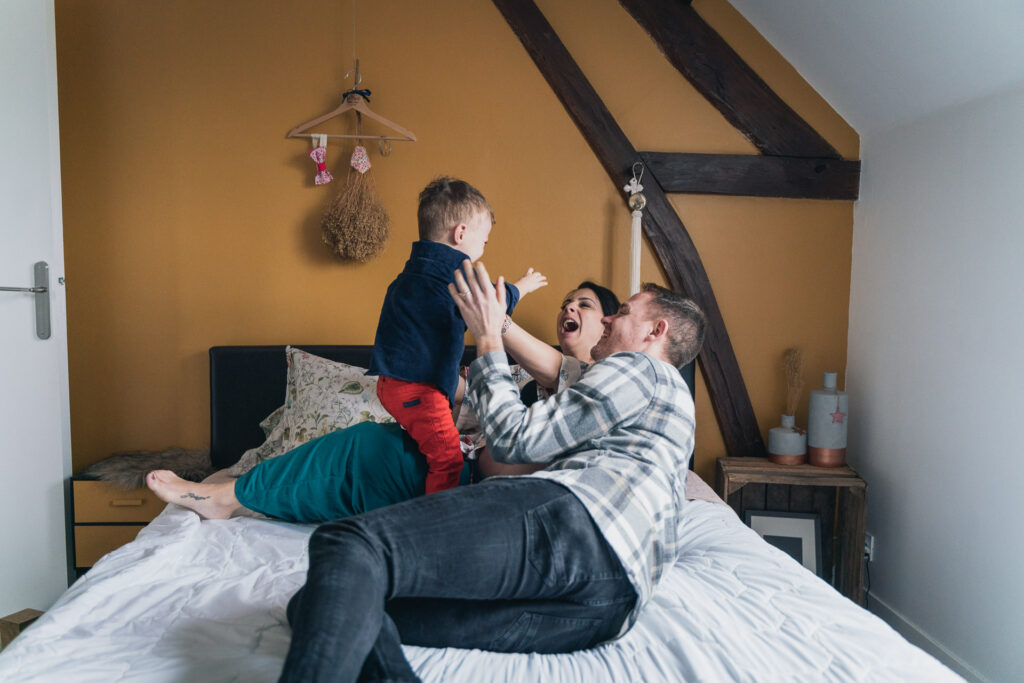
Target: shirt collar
{"x":442,"y":254}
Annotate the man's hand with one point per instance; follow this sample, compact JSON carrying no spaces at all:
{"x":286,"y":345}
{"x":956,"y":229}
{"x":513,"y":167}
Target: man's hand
{"x":481,"y":304}
{"x":530,"y":282}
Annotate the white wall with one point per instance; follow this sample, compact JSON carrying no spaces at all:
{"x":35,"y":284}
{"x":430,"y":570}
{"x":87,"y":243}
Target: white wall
{"x":936,"y":377}
{"x":880,"y":63}
{"x":35,"y":445}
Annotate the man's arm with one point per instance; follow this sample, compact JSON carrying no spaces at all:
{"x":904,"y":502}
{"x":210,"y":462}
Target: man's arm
{"x":611,"y":392}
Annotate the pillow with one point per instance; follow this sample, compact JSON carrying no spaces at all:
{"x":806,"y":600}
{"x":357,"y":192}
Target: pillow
{"x":271,"y":421}
{"x":322,"y":396}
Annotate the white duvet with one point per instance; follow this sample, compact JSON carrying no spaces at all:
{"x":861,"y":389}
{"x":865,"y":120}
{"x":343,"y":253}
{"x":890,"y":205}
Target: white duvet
{"x":205,"y":601}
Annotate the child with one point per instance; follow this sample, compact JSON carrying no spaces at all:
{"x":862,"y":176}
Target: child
{"x":420,"y":336}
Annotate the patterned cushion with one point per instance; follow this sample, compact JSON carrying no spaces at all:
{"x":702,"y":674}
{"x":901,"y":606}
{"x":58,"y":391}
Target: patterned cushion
{"x":322,"y":396}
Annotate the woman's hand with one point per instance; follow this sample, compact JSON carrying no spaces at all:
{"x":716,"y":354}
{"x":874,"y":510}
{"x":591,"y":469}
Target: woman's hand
{"x":530,"y":282}
{"x":481,"y":304}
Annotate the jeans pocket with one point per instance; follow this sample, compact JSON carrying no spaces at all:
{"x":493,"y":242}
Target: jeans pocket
{"x":547,"y":634}
{"x":542,"y":546}
{"x":564,"y":546}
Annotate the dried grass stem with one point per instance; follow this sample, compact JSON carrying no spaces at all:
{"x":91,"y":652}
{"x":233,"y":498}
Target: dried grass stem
{"x":792,"y":365}
{"x":355,"y":226}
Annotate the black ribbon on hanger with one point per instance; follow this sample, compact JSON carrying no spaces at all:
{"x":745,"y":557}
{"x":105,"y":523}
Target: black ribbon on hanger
{"x":364,"y":93}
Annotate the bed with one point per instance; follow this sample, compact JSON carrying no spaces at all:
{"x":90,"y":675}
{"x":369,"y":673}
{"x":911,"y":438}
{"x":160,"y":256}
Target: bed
{"x":193,"y":600}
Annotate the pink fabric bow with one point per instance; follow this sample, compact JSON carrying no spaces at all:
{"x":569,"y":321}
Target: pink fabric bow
{"x":319,"y":155}
{"x":360,"y":159}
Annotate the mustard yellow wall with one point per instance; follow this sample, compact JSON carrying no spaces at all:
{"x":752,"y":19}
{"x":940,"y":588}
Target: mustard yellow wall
{"x":191,"y":221}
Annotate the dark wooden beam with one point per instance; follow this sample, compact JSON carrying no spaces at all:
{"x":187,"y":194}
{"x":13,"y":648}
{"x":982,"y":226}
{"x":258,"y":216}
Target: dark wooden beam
{"x":664,"y":230}
{"x":754,"y":175}
{"x":714,"y":68}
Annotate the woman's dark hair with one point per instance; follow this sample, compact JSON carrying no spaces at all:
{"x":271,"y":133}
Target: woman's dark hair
{"x":606,"y":297}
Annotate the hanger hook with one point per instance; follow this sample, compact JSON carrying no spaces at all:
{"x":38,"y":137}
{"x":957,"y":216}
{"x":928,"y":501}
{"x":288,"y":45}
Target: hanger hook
{"x":359,"y":76}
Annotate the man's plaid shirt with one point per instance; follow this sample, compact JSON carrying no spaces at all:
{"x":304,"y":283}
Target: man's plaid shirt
{"x":620,"y":439}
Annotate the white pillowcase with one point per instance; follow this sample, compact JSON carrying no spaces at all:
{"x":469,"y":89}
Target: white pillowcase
{"x":322,"y":396}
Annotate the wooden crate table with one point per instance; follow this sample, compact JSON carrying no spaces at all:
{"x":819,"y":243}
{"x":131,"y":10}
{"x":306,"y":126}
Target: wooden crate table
{"x":836,"y":494}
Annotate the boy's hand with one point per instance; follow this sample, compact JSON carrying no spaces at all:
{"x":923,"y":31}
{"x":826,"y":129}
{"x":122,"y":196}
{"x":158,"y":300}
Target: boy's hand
{"x":530,"y":282}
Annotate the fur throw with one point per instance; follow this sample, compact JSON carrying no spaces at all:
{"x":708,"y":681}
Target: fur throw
{"x":128,"y":470}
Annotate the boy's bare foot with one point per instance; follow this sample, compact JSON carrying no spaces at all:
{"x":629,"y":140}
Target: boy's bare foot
{"x":212,"y":501}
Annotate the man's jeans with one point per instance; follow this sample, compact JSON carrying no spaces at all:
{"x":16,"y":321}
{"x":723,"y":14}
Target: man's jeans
{"x":509,"y":565}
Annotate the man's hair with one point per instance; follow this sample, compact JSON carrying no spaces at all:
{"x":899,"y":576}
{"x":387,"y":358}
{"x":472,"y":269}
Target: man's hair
{"x":605,"y":297}
{"x":687,"y":324}
{"x":445,"y":203}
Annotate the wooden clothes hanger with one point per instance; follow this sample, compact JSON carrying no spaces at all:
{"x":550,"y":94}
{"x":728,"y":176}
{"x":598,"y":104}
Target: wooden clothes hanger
{"x":354,"y":101}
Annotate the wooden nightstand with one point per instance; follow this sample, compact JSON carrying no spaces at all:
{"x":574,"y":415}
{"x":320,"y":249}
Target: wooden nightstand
{"x":107,"y":517}
{"x":837,"y":495}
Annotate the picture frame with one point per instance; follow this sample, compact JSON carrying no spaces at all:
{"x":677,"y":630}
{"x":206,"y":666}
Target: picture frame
{"x":797,"y":534}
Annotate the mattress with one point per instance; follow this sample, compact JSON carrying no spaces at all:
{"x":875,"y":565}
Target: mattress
{"x":193,"y":600}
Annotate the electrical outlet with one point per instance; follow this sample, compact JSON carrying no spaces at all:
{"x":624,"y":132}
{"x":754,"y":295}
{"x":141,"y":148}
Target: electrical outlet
{"x":869,"y":547}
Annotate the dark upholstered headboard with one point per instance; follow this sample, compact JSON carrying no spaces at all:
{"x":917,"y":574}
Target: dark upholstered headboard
{"x":247,"y":383}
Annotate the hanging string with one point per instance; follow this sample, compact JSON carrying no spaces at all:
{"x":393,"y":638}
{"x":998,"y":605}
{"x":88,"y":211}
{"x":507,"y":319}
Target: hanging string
{"x":634,"y":185}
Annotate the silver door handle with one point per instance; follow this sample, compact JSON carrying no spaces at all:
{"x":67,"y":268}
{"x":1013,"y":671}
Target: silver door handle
{"x":41,"y":290}
{"x":31,"y":290}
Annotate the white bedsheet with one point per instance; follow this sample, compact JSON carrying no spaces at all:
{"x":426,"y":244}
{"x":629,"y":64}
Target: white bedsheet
{"x":170,"y":606}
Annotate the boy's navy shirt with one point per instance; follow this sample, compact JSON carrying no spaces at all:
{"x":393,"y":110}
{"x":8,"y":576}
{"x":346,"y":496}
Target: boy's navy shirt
{"x":421,"y":335}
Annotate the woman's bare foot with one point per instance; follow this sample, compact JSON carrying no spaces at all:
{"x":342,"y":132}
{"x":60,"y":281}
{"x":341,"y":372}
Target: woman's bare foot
{"x":212,"y":501}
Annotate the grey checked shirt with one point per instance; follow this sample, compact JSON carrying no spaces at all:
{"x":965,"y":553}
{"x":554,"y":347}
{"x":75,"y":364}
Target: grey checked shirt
{"x":620,"y":439}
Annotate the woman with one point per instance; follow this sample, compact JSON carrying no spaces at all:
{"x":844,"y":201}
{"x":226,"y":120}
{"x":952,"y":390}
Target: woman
{"x":371,"y":465}
{"x":578,"y":327}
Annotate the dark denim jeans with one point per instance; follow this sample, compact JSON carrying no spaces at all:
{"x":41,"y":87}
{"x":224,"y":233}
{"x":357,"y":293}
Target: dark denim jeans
{"x":510,"y":565}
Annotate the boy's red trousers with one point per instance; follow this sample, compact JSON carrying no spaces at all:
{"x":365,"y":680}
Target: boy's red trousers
{"x":425,"y":413}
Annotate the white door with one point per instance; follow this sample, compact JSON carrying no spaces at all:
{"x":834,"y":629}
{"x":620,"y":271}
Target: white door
{"x":35,"y":446}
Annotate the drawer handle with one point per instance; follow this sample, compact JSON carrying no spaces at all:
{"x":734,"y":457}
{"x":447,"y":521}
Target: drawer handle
{"x":127,"y":503}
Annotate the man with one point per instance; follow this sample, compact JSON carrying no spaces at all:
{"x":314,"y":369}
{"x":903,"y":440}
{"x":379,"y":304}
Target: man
{"x":552,"y":562}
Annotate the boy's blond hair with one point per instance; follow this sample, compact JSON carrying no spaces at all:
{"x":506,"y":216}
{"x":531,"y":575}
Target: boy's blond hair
{"x":445,"y":203}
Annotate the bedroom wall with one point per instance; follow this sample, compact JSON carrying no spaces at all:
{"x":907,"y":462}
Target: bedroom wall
{"x":933,"y":372}
{"x":191,"y":221}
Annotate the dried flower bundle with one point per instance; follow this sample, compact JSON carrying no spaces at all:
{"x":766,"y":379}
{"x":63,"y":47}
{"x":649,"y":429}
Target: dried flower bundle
{"x":792,"y":365}
{"x":355,"y":226}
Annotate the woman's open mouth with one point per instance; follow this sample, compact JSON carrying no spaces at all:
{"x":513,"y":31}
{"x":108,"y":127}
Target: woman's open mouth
{"x":570,"y":325}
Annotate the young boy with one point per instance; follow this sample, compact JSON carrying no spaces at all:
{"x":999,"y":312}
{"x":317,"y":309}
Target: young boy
{"x":420,"y":336}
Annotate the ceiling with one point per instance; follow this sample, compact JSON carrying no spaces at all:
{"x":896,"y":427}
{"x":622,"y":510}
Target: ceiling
{"x":881,"y":63}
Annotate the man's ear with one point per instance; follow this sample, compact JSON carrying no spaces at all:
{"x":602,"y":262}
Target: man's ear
{"x":659,"y":330}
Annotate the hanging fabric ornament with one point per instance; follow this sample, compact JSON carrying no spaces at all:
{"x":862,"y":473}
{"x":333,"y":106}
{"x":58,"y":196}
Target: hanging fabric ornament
{"x":360,"y":159}
{"x":319,"y":156}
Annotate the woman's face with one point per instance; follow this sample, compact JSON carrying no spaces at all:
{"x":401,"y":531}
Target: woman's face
{"x":579,"y":323}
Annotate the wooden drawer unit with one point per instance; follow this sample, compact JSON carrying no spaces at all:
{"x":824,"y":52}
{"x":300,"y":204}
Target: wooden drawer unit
{"x":94,"y":541}
{"x":99,"y":502}
{"x":107,"y":517}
